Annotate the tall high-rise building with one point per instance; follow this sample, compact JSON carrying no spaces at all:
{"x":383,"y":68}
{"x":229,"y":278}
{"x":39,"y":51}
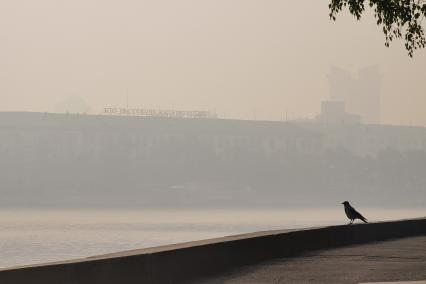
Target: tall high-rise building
{"x":361,"y":95}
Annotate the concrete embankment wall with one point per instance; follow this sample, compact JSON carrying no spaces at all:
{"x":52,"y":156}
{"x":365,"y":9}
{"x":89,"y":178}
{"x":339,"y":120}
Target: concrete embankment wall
{"x":190,"y":261}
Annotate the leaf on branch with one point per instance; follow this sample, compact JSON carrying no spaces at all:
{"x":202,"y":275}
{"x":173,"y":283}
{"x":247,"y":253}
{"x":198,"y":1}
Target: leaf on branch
{"x":397,"y":17}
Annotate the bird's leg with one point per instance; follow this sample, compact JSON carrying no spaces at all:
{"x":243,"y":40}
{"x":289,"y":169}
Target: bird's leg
{"x":352,"y":221}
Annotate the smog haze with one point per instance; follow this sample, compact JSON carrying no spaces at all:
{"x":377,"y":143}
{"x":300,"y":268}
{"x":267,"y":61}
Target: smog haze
{"x":243,"y":58}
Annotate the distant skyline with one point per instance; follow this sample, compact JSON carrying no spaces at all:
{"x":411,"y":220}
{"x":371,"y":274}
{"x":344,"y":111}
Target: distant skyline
{"x":243,"y":58}
{"x":361,"y":94}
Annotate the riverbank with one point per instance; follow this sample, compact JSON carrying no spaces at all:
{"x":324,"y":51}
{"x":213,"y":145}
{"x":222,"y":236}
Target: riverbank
{"x":195,"y":260}
{"x":387,"y":261}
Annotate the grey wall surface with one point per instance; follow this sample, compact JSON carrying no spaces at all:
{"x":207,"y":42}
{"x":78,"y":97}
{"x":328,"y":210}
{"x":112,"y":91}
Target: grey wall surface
{"x":79,"y":160}
{"x":190,"y":261}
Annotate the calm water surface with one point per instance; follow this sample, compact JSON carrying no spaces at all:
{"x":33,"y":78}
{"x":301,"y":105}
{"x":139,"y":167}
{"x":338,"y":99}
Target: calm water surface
{"x":37,"y":236}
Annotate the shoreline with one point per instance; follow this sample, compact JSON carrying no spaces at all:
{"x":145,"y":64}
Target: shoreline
{"x":189,"y":261}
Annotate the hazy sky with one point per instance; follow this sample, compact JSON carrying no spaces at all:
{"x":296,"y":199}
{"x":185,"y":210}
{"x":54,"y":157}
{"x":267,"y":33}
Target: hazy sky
{"x":239,"y":57}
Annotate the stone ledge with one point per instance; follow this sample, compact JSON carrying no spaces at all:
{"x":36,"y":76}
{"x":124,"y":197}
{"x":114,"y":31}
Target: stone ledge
{"x":190,"y":261}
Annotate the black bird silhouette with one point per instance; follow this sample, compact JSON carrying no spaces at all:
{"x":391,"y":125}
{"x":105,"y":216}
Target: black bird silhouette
{"x":352,"y":213}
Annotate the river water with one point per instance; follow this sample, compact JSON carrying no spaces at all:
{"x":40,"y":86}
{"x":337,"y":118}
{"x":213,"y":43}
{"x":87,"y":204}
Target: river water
{"x":30,"y":236}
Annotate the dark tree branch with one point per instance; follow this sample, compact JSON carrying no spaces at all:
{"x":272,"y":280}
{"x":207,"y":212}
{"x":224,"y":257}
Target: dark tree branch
{"x":398,"y":18}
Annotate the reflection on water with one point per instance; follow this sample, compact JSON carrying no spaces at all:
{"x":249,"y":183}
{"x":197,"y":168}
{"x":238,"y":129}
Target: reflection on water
{"x":35,"y":236}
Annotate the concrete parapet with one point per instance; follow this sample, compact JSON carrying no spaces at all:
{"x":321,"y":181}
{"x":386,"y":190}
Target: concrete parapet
{"x":190,"y":261}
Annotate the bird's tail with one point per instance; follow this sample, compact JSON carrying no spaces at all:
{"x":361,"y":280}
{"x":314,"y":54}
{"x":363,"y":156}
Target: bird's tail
{"x":364,"y":220}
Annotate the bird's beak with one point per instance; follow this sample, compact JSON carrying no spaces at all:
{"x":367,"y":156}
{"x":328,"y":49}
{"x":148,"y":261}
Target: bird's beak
{"x":343,"y":203}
